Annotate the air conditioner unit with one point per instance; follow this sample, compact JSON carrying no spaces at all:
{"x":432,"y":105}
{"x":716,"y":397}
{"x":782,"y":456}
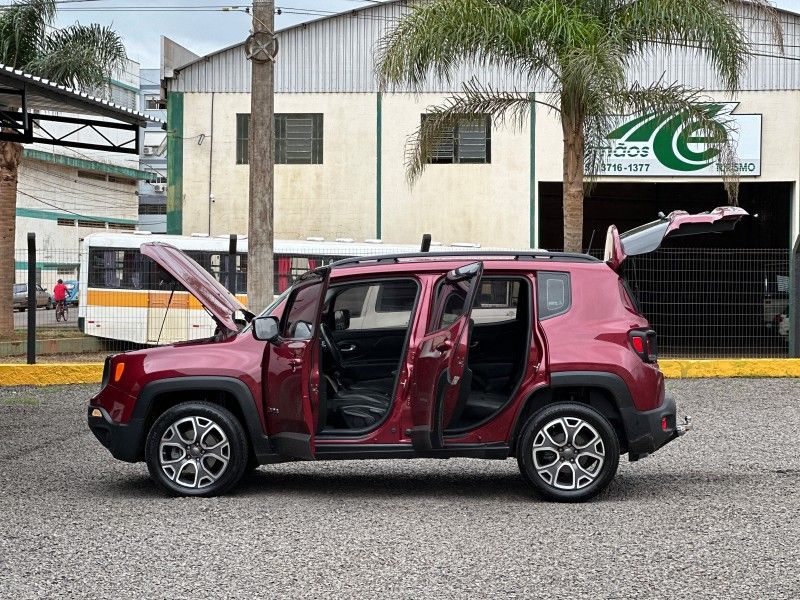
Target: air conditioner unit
{"x":160,"y":188}
{"x":149,"y":151}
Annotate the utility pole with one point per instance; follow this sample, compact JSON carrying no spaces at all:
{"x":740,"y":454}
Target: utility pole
{"x":261,"y":48}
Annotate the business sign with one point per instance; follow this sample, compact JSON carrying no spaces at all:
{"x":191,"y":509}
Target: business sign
{"x":670,"y":145}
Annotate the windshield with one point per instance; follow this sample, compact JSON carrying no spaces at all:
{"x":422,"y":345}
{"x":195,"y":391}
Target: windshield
{"x":268,"y":311}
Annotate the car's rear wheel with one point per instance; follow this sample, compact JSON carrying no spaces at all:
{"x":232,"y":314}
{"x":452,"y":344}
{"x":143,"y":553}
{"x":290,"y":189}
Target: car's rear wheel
{"x":568,"y":452}
{"x":196,"y":449}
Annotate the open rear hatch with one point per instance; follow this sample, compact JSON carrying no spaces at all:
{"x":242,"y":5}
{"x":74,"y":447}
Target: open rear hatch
{"x":648,"y":237}
{"x":215,"y":298}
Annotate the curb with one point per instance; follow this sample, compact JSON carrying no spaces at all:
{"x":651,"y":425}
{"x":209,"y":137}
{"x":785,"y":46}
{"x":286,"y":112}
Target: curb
{"x":70,"y":373}
{"x":50,"y":374}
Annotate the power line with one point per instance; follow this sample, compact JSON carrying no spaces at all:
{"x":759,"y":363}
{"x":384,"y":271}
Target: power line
{"x":85,"y":217}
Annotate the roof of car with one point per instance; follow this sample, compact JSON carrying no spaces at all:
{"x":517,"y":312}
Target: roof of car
{"x":437,"y":257}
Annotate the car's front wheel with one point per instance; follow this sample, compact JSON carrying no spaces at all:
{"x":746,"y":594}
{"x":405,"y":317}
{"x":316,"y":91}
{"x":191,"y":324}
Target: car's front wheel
{"x":568,"y":452}
{"x":196,"y":449}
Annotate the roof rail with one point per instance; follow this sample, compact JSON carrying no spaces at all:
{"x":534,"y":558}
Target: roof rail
{"x":512,"y":254}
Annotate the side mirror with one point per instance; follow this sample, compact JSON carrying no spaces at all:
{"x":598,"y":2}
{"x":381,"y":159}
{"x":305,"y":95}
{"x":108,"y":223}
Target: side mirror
{"x":341,"y":319}
{"x":266,"y":329}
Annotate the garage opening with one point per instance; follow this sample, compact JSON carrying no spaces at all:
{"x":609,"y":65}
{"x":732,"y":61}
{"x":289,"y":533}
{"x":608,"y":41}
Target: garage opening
{"x":711,"y":295}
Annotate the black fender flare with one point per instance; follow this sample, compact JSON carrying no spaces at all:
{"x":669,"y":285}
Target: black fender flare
{"x":611,"y":383}
{"x":235,"y":387}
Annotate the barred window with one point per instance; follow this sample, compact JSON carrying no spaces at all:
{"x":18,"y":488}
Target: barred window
{"x":468,"y":141}
{"x":298,"y":139}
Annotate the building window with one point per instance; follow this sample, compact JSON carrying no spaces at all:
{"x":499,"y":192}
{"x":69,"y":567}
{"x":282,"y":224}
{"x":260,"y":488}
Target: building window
{"x":123,"y":180}
{"x":152,"y":209}
{"x":66,"y":222}
{"x":92,"y":224}
{"x":121,"y":226}
{"x":91,"y":175}
{"x":298,"y":139}
{"x":469,"y":141}
{"x":152,"y":102}
{"x":242,"y":138}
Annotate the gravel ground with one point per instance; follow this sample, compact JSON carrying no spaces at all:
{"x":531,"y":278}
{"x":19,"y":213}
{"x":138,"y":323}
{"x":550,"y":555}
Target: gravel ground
{"x":716,"y":514}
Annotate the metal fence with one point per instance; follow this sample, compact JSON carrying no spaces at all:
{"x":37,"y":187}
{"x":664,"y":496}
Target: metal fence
{"x":702,"y":302}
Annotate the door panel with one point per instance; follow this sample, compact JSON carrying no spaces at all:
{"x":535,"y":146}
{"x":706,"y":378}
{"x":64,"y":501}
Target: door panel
{"x":370,"y":354}
{"x":293,"y":379}
{"x":442,"y":356}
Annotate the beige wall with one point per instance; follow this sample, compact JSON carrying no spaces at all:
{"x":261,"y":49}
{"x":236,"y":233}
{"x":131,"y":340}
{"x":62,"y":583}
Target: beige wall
{"x":334,"y":199}
{"x":481,"y":203}
{"x":487,"y":204}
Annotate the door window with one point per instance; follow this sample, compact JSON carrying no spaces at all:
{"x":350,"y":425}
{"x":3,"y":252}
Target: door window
{"x":453,"y":295}
{"x":301,"y":317}
{"x":378,"y":305}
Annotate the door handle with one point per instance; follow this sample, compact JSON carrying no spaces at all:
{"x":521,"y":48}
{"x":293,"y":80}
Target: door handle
{"x":347,"y":347}
{"x":444,"y":346}
{"x":294,"y":363}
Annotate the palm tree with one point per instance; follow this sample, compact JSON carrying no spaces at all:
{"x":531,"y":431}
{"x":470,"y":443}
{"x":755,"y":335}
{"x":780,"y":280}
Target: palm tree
{"x":580,"y":50}
{"x":80,"y":56}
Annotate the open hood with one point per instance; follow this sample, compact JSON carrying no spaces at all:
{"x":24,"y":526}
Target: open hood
{"x":648,"y":237}
{"x":211,"y":293}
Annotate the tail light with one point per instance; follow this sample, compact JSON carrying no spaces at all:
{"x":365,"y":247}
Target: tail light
{"x":644,"y":343}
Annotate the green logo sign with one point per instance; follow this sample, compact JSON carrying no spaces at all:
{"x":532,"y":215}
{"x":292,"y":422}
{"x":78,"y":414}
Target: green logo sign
{"x":669,"y":144}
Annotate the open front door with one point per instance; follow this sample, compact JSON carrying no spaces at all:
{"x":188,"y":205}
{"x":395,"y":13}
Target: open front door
{"x":442,"y":355}
{"x":293,"y":376}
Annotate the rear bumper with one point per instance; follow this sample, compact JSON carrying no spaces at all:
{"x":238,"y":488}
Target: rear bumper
{"x":123,"y":441}
{"x":646,"y":430}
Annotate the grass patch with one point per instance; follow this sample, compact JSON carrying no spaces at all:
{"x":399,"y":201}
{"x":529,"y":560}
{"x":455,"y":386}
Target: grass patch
{"x":19,"y":401}
{"x":43,"y":333}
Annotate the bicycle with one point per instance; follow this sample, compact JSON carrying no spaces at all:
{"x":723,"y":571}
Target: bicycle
{"x":62,"y":312}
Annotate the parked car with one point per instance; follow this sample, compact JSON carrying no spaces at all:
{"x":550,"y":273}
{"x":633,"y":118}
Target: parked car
{"x":73,"y":291}
{"x":43,"y":297}
{"x":392,"y":357}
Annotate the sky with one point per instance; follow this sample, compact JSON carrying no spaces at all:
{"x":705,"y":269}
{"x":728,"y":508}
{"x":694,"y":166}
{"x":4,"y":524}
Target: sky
{"x":201,"y":25}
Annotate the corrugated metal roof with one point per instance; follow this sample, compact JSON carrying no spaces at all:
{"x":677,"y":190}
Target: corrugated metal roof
{"x":43,"y":94}
{"x":337,"y":54}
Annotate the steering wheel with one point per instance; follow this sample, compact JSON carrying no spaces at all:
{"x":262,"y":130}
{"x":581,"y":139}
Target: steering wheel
{"x":329,"y":345}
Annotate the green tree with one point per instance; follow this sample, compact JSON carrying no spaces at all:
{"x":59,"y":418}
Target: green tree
{"x":581,"y":50}
{"x":79,"y":56}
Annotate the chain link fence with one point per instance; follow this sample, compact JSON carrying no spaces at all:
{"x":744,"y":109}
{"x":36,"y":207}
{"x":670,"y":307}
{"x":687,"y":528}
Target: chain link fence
{"x":703,"y":303}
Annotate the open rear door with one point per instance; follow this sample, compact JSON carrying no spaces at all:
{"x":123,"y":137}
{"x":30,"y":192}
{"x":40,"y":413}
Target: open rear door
{"x":442,"y":355}
{"x":293,"y":376}
{"x":648,"y":237}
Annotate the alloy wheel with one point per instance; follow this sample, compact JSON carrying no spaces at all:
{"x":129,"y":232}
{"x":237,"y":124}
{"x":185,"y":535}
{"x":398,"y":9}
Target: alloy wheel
{"x":194,"y":452}
{"x":568,"y":453}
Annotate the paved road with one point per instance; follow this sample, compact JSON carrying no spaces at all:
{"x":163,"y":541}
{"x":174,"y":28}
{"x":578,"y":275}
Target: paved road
{"x":714,"y":515}
{"x":47,"y":318}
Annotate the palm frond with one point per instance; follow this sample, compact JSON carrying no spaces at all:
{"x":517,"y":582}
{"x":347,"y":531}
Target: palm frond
{"x":439,"y":36}
{"x":82,"y":56}
{"x":22,"y":26}
{"x":705,"y":26}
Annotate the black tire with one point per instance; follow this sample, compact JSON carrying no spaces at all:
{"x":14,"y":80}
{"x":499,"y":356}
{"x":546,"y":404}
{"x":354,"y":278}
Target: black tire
{"x":591,"y":463}
{"x":237,"y":452}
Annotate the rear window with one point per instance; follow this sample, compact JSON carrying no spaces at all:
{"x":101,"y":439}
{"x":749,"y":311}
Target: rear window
{"x":554,"y":294}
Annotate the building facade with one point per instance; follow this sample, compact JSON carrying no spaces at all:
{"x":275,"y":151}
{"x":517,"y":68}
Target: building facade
{"x":341,"y":144}
{"x":153,"y":192}
{"x":66,"y":193}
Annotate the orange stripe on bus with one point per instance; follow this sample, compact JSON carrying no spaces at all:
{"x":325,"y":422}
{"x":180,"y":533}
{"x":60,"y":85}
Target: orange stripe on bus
{"x":145,"y":299}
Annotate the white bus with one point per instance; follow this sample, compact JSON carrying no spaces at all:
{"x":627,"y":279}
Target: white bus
{"x":123,"y":297}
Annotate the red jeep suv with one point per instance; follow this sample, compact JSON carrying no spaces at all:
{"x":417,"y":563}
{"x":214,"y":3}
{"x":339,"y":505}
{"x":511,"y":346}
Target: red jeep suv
{"x":542,"y":356}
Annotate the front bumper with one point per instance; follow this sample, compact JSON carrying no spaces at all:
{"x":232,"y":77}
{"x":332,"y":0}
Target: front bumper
{"x":124,"y":441}
{"x":649,"y":430}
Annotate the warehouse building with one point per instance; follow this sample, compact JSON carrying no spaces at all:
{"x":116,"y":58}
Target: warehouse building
{"x":340,"y":147}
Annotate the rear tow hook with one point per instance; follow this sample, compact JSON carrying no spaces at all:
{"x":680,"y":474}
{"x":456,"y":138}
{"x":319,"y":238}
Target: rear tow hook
{"x":682,"y":428}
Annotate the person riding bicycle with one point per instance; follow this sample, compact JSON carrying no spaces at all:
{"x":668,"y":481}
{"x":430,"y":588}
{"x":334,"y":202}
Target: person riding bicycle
{"x":60,"y":294}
